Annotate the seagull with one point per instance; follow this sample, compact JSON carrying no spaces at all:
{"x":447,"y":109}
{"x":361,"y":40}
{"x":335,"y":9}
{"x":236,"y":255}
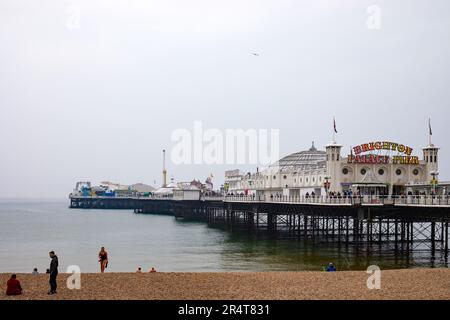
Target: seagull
{"x":255,"y":54}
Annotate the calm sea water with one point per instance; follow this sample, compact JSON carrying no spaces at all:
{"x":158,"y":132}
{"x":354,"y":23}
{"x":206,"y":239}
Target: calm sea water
{"x":30,"y":229}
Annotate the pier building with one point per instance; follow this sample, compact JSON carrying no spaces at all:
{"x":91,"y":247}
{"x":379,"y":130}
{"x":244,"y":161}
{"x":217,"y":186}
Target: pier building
{"x":373,"y":168}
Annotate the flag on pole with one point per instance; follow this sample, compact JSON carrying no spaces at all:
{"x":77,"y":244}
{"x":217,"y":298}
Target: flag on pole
{"x":334,"y":125}
{"x":429,"y":125}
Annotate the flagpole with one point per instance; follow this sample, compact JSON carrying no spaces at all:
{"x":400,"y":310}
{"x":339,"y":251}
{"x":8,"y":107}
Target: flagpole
{"x":430,"y":133}
{"x":334,"y":129}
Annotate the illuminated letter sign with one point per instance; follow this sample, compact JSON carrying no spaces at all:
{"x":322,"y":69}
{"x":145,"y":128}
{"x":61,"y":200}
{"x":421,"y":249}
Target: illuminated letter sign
{"x":363,"y":155}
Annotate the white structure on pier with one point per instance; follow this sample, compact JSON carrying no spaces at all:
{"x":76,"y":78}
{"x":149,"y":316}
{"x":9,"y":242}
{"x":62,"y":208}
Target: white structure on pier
{"x":376,"y":168}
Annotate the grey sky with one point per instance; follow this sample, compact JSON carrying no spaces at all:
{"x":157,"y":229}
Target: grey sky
{"x":100,"y":102}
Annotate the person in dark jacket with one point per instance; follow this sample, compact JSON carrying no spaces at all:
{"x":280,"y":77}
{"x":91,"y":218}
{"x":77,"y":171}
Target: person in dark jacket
{"x":53,"y":272}
{"x":13,"y":287}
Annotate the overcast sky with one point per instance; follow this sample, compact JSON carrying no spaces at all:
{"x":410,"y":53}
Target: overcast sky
{"x":92,"y":90}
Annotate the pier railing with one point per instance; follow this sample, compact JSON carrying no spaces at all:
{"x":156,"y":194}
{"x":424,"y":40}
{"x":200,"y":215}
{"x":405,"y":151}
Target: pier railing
{"x":348,"y":200}
{"x":367,"y":200}
{"x":212,"y":198}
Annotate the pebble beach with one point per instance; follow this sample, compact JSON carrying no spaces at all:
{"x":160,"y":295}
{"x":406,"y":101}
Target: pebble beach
{"x":395,"y":284}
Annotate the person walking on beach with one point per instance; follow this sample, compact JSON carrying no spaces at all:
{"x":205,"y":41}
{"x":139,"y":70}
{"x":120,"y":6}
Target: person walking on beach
{"x":103,"y":259}
{"x":53,"y":272}
{"x":13,"y":287}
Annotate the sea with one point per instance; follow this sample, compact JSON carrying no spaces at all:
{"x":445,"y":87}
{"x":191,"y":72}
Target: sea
{"x":29,"y":229}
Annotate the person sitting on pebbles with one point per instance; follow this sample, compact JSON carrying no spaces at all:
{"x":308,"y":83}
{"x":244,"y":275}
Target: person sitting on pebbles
{"x":13,"y":287}
{"x":152,"y":270}
{"x":139,"y":270}
{"x":331,"y":267}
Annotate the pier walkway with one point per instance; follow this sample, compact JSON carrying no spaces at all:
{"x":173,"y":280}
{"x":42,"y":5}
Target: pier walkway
{"x":412,"y":201}
{"x":401,"y":201}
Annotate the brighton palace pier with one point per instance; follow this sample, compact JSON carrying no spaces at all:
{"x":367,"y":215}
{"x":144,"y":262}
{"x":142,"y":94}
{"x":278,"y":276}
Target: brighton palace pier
{"x":376,"y":168}
{"x":380,"y":196}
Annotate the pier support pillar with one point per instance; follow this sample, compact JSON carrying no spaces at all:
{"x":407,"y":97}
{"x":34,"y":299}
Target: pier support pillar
{"x":446,"y":240}
{"x":433,"y":238}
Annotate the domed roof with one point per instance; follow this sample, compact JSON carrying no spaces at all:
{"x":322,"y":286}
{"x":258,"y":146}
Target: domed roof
{"x":303,"y":160}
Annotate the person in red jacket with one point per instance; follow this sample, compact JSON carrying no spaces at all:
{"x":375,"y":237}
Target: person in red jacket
{"x":13,"y":287}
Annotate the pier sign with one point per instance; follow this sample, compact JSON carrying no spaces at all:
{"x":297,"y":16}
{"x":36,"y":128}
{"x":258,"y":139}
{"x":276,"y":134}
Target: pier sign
{"x":364,"y":153}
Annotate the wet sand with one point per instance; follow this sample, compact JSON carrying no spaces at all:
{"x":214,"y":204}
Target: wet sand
{"x":395,"y":284}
